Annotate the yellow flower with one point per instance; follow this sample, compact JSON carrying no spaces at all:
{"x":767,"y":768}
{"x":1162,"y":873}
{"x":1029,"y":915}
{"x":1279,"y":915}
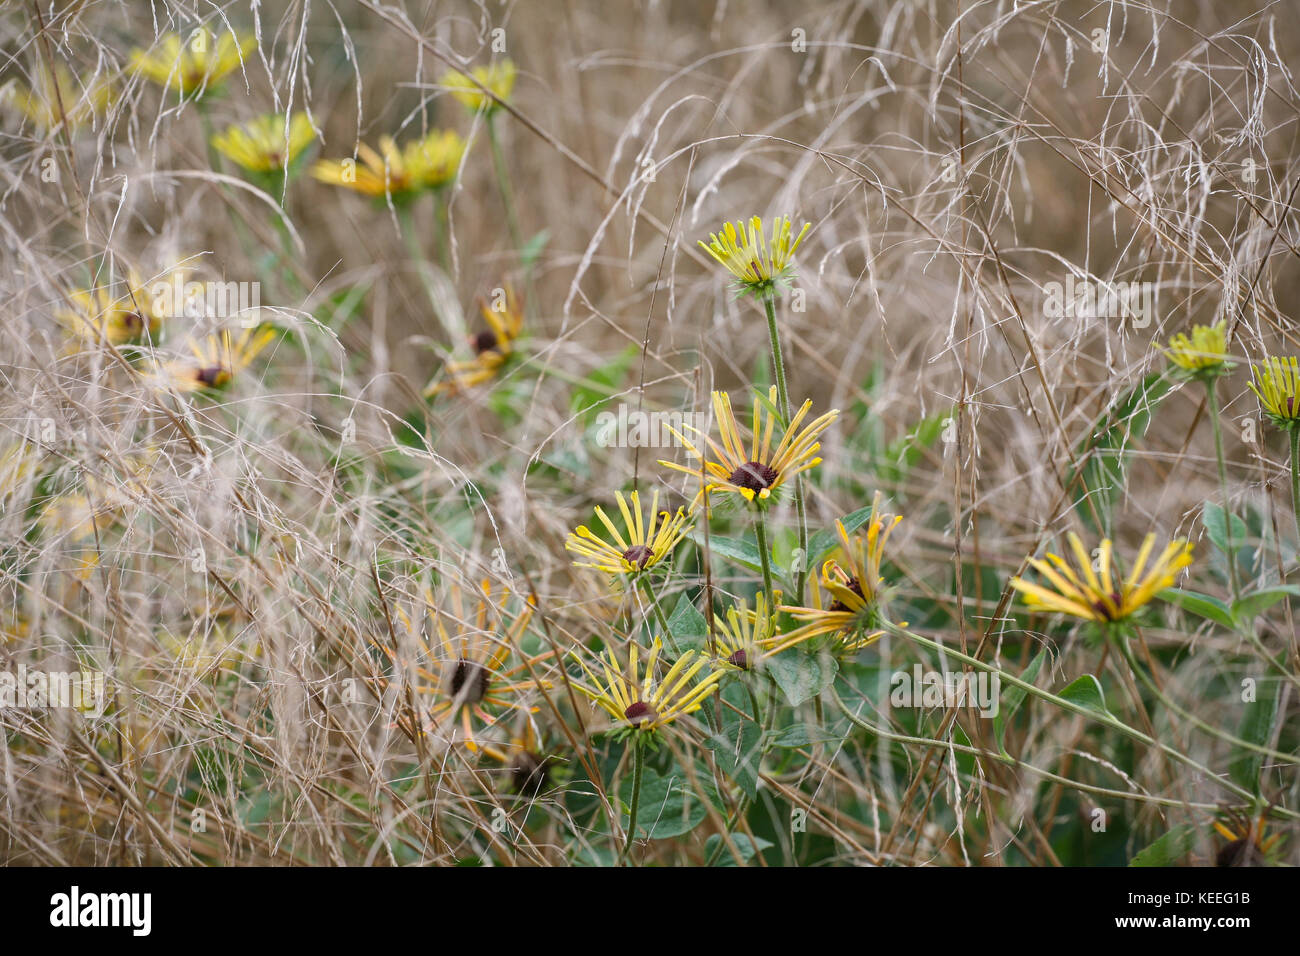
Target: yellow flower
{"x":463,"y":660}
{"x":1102,"y":596}
{"x":419,"y":165}
{"x":857,"y":595}
{"x":1277,"y":385}
{"x":759,"y":264}
{"x":639,"y":700}
{"x":646,"y":542}
{"x":61,"y":94}
{"x":744,"y":638}
{"x":217,"y":360}
{"x":1204,"y":352}
{"x":498,"y":78}
{"x":194,"y":64}
{"x":1247,"y":844}
{"x":96,"y":315}
{"x":757,"y":473}
{"x":492,"y":347}
{"x":263,"y":144}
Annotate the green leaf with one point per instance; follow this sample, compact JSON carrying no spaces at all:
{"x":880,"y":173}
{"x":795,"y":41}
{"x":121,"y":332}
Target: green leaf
{"x":734,"y":549}
{"x":687,"y":626}
{"x":801,"y":676}
{"x":1257,"y":722}
{"x":737,"y":746}
{"x":806,"y":735}
{"x":1250,"y":606}
{"x":1216,"y":528}
{"x":1202,"y":605}
{"x":1086,"y":692}
{"x":1014,"y":696}
{"x":1169,"y":850}
{"x":745,"y":847}
{"x":667,"y":807}
{"x":1104,"y":452}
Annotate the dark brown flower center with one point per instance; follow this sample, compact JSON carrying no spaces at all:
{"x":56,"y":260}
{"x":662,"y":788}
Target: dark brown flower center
{"x":1101,"y":607}
{"x":638,"y":555}
{"x":739,"y":659}
{"x":471,"y":678}
{"x":214,"y":376}
{"x":640,"y":713}
{"x":485,"y":341}
{"x":1240,"y":852}
{"x":530,"y":773}
{"x":754,"y":476}
{"x":855,"y":586}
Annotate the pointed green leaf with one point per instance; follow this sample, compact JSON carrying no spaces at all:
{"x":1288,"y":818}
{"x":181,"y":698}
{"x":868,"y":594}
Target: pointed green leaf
{"x":1202,"y":605}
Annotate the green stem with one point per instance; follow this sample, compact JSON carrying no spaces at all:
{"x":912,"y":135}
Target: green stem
{"x":1212,"y":400}
{"x":406,"y":221}
{"x":503,"y":180}
{"x":742,"y":802}
{"x":1201,"y":725}
{"x":783,"y":393}
{"x":764,"y":556}
{"x":637,"y":761}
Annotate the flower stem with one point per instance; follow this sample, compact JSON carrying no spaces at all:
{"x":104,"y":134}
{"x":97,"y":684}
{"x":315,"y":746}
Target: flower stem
{"x":783,"y":394}
{"x":637,"y":760}
{"x":503,"y":180}
{"x":764,"y":555}
{"x":1212,"y":400}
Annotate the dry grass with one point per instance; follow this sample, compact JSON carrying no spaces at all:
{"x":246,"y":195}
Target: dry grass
{"x":256,"y":550}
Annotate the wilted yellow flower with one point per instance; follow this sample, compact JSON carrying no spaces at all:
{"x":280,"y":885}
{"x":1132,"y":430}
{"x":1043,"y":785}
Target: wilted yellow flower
{"x":1102,"y":596}
{"x":217,"y":360}
{"x":62,"y":95}
{"x":759,"y":264}
{"x":470,"y":663}
{"x":856,"y":607}
{"x":1277,"y":385}
{"x":643,"y":545}
{"x":196,"y":64}
{"x":97,"y":315}
{"x":1204,"y":352}
{"x":492,"y":347}
{"x":498,"y":78}
{"x":423,"y":164}
{"x":638,"y":699}
{"x":757,"y":473}
{"x":1247,"y":844}
{"x":263,"y":144}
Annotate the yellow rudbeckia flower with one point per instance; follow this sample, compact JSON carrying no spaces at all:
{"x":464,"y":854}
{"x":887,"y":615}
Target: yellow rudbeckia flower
{"x":756,"y":471}
{"x":62,"y":95}
{"x":1102,"y":596}
{"x":1204,"y":352}
{"x":426,"y":163}
{"x":1277,"y":386}
{"x":759,"y":264}
{"x":196,"y":64}
{"x":644,"y":542}
{"x":637,"y":698}
{"x":264,"y":144}
{"x":498,"y":78}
